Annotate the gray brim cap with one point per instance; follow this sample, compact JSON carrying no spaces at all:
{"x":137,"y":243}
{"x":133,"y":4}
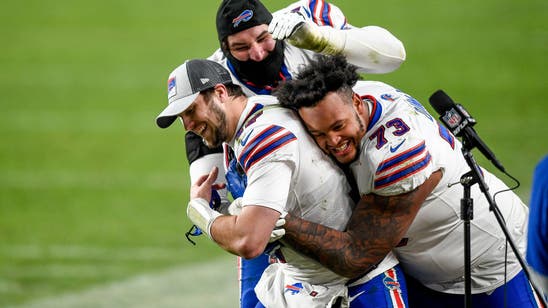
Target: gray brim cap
{"x":186,"y":82}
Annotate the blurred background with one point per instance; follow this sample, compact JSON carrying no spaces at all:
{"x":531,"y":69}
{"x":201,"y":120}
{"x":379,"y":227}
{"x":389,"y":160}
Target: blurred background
{"x":93,"y":194}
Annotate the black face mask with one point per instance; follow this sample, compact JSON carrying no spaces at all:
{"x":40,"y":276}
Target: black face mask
{"x":264,"y":73}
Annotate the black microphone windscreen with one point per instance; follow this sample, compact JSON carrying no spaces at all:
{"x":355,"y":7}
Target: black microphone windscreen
{"x":441,"y":102}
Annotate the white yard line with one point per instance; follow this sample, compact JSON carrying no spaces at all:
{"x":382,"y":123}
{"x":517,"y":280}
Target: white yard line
{"x":211,"y":284}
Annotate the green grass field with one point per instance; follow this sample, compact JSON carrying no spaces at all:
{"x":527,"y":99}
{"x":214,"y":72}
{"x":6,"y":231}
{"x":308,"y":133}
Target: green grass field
{"x":93,"y":194}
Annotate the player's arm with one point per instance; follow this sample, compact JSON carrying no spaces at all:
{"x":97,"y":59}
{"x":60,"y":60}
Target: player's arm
{"x":372,"y":48}
{"x":377,"y":225}
{"x":246,"y":234}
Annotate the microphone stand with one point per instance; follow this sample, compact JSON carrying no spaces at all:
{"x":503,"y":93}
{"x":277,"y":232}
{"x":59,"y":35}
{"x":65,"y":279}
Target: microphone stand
{"x":475,"y":176}
{"x":467,"y":214}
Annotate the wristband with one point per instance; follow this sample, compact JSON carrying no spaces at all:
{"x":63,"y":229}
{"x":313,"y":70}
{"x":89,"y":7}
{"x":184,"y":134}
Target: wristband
{"x":202,"y":215}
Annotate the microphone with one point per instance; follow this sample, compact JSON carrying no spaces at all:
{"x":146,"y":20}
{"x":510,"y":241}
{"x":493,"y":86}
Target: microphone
{"x":460,"y":123}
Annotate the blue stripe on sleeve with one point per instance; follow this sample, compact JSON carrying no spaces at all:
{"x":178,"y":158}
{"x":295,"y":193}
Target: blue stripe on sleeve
{"x":383,"y":182}
{"x":389,"y":163}
{"x":250,"y":147}
{"x":269,"y":148}
{"x":325,"y":15}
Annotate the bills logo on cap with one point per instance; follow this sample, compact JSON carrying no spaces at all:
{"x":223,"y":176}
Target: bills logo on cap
{"x":244,"y":16}
{"x":171,"y":87}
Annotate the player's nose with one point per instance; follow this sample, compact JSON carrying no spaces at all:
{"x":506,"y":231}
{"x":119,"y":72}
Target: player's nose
{"x":257,"y":52}
{"x":333,"y":139}
{"x":188,"y":123}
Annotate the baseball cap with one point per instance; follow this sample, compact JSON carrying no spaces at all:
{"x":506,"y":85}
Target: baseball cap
{"x":186,"y":82}
{"x":234,"y":16}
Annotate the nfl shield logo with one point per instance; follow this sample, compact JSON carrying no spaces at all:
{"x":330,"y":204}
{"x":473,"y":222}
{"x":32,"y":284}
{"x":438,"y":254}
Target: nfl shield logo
{"x":452,"y":118}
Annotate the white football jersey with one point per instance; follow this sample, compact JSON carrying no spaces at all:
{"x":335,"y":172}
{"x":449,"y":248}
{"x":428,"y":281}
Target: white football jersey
{"x":403,"y":145}
{"x":286,"y":171}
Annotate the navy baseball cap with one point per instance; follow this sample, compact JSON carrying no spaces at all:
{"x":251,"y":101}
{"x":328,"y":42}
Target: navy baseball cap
{"x":234,"y":16}
{"x":186,"y":82}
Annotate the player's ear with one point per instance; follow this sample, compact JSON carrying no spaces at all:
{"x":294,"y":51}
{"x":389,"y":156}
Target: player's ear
{"x":221,"y":91}
{"x":358,"y":104}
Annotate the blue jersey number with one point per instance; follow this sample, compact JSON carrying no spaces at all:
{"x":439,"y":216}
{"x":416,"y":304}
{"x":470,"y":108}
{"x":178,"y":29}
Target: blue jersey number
{"x":397,"y":127}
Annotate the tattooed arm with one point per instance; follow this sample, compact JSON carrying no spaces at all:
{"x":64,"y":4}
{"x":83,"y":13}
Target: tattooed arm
{"x":377,"y":225}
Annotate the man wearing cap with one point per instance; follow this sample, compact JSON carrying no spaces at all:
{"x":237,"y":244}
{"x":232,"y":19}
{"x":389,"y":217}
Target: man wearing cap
{"x":286,"y":171}
{"x":261,"y":49}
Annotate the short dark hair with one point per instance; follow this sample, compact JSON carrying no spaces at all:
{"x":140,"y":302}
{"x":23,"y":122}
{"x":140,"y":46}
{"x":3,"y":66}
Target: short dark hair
{"x":232,"y":90}
{"x":323,"y":75}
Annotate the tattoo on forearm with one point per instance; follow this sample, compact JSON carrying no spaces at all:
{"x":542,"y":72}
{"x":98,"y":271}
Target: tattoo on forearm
{"x":377,"y":225}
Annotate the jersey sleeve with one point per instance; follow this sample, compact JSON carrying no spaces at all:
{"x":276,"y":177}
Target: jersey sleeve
{"x":268,"y":185}
{"x":373,"y":49}
{"x":401,"y":166}
{"x":268,"y":155}
{"x":263,"y":144}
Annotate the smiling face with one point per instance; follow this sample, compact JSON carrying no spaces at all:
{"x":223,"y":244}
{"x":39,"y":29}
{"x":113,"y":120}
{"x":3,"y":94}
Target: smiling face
{"x":206,"y":118}
{"x":337,"y":123}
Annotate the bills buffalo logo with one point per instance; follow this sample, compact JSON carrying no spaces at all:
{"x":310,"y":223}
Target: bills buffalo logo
{"x":391,"y":284}
{"x":388,"y":97}
{"x":171,"y":87}
{"x":295,"y":288}
{"x":244,"y":16}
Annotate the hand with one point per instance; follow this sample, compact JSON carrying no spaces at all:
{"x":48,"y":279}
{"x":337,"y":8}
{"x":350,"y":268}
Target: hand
{"x":278,"y":232}
{"x":284,"y":24}
{"x":235,"y":208}
{"x":204,"y":185}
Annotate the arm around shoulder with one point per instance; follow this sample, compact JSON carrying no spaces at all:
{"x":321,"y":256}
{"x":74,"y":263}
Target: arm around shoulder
{"x":377,"y":225}
{"x":373,"y":49}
